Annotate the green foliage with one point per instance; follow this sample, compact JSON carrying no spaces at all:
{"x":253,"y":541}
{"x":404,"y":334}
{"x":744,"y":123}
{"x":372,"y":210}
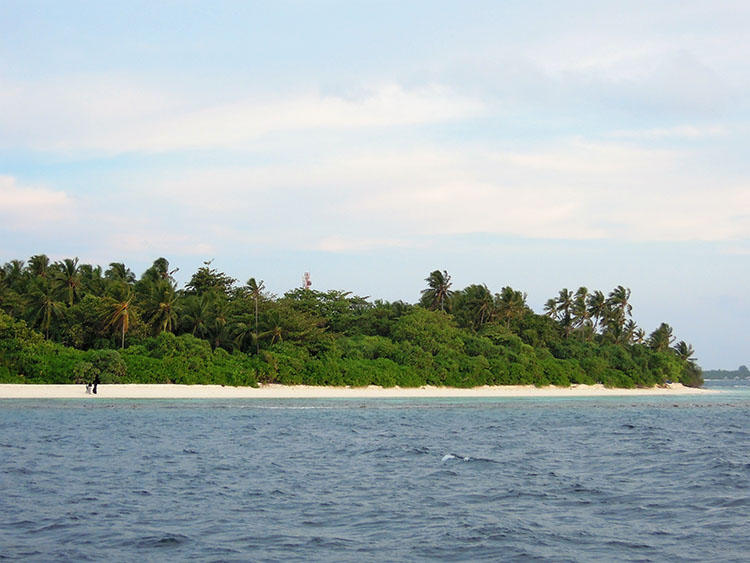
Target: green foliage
{"x":84,"y":323}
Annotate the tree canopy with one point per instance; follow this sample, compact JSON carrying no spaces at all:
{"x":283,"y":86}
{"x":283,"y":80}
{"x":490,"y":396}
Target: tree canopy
{"x":65,"y":321}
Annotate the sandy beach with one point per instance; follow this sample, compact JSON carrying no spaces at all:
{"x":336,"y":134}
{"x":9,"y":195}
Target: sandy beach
{"x":138,"y":391}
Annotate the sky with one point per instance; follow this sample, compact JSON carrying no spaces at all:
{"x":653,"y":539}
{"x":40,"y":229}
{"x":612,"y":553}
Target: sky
{"x":536,"y":144}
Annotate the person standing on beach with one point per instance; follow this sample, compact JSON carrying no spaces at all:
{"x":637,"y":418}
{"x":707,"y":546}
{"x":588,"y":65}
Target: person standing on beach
{"x":96,"y":382}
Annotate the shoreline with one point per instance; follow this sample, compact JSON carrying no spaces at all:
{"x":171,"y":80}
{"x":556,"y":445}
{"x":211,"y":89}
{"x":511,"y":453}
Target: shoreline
{"x":276,"y":391}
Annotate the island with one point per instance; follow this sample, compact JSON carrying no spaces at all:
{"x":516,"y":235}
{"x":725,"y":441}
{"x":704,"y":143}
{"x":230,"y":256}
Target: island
{"x":70,"y":323}
{"x":741,"y":372}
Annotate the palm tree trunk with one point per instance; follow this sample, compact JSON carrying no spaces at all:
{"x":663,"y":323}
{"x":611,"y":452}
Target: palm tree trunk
{"x":257,"y":344}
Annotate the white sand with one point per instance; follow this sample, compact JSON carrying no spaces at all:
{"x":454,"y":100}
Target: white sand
{"x":138,"y":391}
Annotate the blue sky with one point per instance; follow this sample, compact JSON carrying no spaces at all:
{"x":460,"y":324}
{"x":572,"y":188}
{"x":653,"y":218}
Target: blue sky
{"x":535,"y":144}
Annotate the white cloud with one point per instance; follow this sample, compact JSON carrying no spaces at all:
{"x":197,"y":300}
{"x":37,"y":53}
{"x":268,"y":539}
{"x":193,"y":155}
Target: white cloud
{"x":359,"y":244}
{"x":688,"y":132}
{"x":572,"y":190}
{"x":32,"y":208}
{"x":115,"y":117}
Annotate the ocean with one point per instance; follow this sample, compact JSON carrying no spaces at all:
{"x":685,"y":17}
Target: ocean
{"x":586,"y":479}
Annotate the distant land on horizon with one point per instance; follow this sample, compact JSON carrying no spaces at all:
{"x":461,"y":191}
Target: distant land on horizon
{"x":740,"y":372}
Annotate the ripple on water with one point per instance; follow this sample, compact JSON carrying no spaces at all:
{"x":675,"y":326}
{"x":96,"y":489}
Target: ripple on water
{"x":294,"y":481}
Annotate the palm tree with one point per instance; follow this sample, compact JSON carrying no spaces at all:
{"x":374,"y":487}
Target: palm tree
{"x":14,"y":274}
{"x":579,"y":309}
{"x":256,"y":290}
{"x":597,"y":307}
{"x":39,"y":266}
{"x":438,"y":290}
{"x":473,"y":306}
{"x":564,"y":307}
{"x":639,"y":336}
{"x":161,"y":306}
{"x":69,"y":278}
{"x":685,"y":351}
{"x":661,"y":339}
{"x":195,"y":314}
{"x":276,"y":330}
{"x":44,"y":305}
{"x":218,"y":328}
{"x":619,"y":305}
{"x":91,"y":279}
{"x":122,"y":313}
{"x":117,"y":271}
{"x":550,"y":308}
{"x":510,"y":304}
{"x":240,"y":331}
{"x":629,"y":332}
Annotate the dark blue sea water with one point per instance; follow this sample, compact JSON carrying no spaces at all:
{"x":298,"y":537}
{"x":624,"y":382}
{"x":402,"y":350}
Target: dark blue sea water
{"x":641,"y":479}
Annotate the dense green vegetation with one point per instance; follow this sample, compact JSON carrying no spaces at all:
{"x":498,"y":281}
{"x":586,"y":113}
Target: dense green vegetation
{"x":67,"y":322}
{"x":741,"y":372}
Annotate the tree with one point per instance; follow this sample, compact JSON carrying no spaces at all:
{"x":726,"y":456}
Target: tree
{"x":13,"y":274}
{"x":684,"y":351}
{"x":629,"y":332}
{"x":117,"y":271}
{"x":597,"y":307}
{"x":44,"y":305}
{"x":69,"y":278}
{"x":473,"y":306}
{"x":579,"y":309}
{"x":550,"y":308}
{"x":256,"y":291}
{"x":39,"y":266}
{"x":91,"y":279}
{"x":122,"y":314}
{"x":159,"y":270}
{"x":661,"y":339}
{"x":564,"y":308}
{"x":438,"y":290}
{"x":509,"y":305}
{"x":195,"y":314}
{"x":619,"y":306}
{"x":161,"y":310}
{"x":209,"y":279}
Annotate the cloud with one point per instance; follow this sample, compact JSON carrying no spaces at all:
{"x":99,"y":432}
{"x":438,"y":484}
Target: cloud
{"x":687,"y":132}
{"x":116,"y":117}
{"x":31,"y":208}
{"x":574,"y":189}
{"x":353,"y":244}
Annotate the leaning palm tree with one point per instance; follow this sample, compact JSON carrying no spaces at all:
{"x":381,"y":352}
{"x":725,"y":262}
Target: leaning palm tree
{"x":438,"y":290}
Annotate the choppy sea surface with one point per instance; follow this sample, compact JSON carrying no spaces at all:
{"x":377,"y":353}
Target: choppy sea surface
{"x":640,"y":478}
